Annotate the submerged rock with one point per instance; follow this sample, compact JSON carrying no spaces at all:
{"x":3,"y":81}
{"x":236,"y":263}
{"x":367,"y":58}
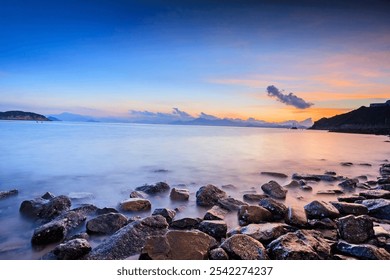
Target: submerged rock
{"x":355,"y":229}
{"x":5,"y":194}
{"x":264,"y":233}
{"x":72,"y":250}
{"x":275,"y":174}
{"x":275,"y":190}
{"x":277,"y":209}
{"x":157,"y":188}
{"x":214,"y":228}
{"x":320,"y":209}
{"x":215,"y":213}
{"x":106,"y":223}
{"x":179,"y":194}
{"x":209,"y":195}
{"x":168,"y":214}
{"x":253,"y":214}
{"x":363,"y":251}
{"x":105,"y":210}
{"x":135,"y":204}
{"x":378,"y":208}
{"x":244,"y":247}
{"x":350,"y":208}
{"x":346,"y":163}
{"x":230,"y":203}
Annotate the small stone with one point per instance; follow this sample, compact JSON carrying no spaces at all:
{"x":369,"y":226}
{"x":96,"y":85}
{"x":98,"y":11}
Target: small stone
{"x":275,"y":174}
{"x":229,"y":187}
{"x":332,"y":173}
{"x":346,"y":163}
{"x":209,"y":195}
{"x":275,"y":190}
{"x":277,"y":209}
{"x":306,"y":177}
{"x":168,"y":214}
{"x":306,"y":188}
{"x":218,"y":254}
{"x":72,"y":250}
{"x":135,"y":204}
{"x":106,"y":223}
{"x":355,"y":229}
{"x":157,"y":188}
{"x":253,"y":214}
{"x":179,"y":194}
{"x":214,"y":228}
{"x":215,"y":213}
{"x":320,"y":209}
{"x":243,"y":247}
{"x":139,"y":194}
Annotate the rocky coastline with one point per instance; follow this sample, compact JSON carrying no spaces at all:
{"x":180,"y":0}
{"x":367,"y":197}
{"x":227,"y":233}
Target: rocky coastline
{"x":353,"y":226}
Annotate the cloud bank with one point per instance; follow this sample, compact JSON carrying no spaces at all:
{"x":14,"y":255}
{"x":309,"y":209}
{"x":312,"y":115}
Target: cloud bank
{"x":289,"y":99}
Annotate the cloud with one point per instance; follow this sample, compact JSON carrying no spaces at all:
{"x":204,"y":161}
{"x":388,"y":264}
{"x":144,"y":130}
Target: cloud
{"x":289,"y":99}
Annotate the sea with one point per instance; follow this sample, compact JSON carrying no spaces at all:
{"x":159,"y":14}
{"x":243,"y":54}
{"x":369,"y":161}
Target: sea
{"x":101,"y":163}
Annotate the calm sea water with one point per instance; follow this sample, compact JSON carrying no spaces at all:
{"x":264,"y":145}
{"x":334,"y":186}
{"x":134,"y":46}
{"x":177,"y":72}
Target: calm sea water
{"x":110,"y":160}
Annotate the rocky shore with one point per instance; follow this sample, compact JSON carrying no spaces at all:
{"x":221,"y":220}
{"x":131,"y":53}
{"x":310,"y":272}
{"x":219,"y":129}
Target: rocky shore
{"x":353,"y":226}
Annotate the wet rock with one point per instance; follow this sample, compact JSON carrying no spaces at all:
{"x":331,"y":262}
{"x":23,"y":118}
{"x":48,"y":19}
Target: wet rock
{"x":254,"y":197}
{"x":186,"y":223}
{"x":349,"y":183}
{"x":230,"y":203}
{"x":215,"y":213}
{"x":385,"y":170}
{"x":346,"y":163}
{"x":229,"y":187}
{"x":306,"y":188}
{"x":383,"y":181}
{"x":86,"y":209}
{"x":157,"y":188}
{"x":320,"y":209}
{"x":350,"y":208}
{"x":72,"y":250}
{"x":129,"y":240}
{"x":296,"y":217}
{"x":325,"y":223}
{"x":275,"y":174}
{"x":139,"y":194}
{"x":275,"y":190}
{"x":48,"y":196}
{"x":179,"y":194}
{"x":81,"y":235}
{"x":178,"y":245}
{"x":244,"y":247}
{"x":277,"y":209}
{"x":209,"y":195}
{"x":5,"y":194}
{"x":264,"y":233}
{"x":363,"y":186}
{"x":253,"y":214}
{"x":106,"y":223}
{"x":378,"y":208}
{"x":384,"y":187}
{"x":218,"y":254}
{"x":371,"y":182}
{"x":355,"y":229}
{"x":43,"y":209}
{"x":374,"y":194}
{"x":306,"y":177}
{"x":330,"y":192}
{"x":363,"y":251}
{"x":168,"y":214}
{"x":293,"y":184}
{"x":330,"y":173}
{"x":135,"y":204}
{"x":214,"y":228}
{"x":350,"y":199}
{"x":300,"y":245}
{"x":106,"y":210}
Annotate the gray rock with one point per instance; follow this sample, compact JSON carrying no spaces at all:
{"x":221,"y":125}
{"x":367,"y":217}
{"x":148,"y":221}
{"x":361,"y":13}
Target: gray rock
{"x":350,"y":208}
{"x":5,"y":194}
{"x":43,"y":209}
{"x":106,"y":210}
{"x":209,"y":195}
{"x":244,"y":247}
{"x":230,"y":203}
{"x":254,"y":197}
{"x":275,"y":174}
{"x":320,"y":209}
{"x":214,"y":228}
{"x":229,"y":187}
{"x":180,"y":194}
{"x":363,"y":251}
{"x":186,"y":223}
{"x":385,"y":170}
{"x":275,"y":190}
{"x":157,"y":188}
{"x":296,"y":217}
{"x":168,"y":214}
{"x":218,"y":254}
{"x":300,"y":245}
{"x":355,"y":229}
{"x":349,"y":183}
{"x":277,"y":209}
{"x":325,"y":223}
{"x":139,"y":194}
{"x":253,"y":214}
{"x":374,"y":194}
{"x":350,"y":199}
{"x":72,"y":250}
{"x":129,"y":240}
{"x":384,"y":187}
{"x":48,"y":195}
{"x":106,"y":223}
{"x":86,"y":209}
{"x":135,"y":204}
{"x":306,"y":177}
{"x":293,"y":184}
{"x":264,"y":233}
{"x":378,"y":208}
{"x":330,"y":192}
{"x":215,"y":213}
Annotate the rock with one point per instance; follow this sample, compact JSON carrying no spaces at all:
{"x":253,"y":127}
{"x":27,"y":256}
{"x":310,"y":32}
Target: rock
{"x":350,"y":199}
{"x":254,"y":197}
{"x":349,"y":183}
{"x":293,"y":184}
{"x":346,"y":163}
{"x":230,"y":203}
{"x":277,"y":209}
{"x":384,"y":187}
{"x":320,"y":209}
{"x":244,"y":247}
{"x":371,"y":182}
{"x":381,"y":232}
{"x":229,"y":187}
{"x":214,"y":228}
{"x":80,"y":195}
{"x":139,"y":194}
{"x":296,"y":217}
{"x":72,"y":250}
{"x":209,"y":195}
{"x":307,"y":177}
{"x":363,"y":186}
{"x":330,"y":173}
{"x":81,"y":235}
{"x":48,"y":195}
{"x":135,"y":204}
{"x":362,"y":177}
{"x":306,"y":188}
{"x":378,"y":208}
{"x":275,"y":174}
{"x":179,"y":194}
{"x":253,"y":214}
{"x":168,"y":214}
{"x":158,"y":188}
{"x":129,"y":240}
{"x":374,"y":194}
{"x":178,"y":245}
{"x":215,"y":213}
{"x":5,"y":194}
{"x":106,"y":223}
{"x":329,"y":234}
{"x":325,"y":223}
{"x":275,"y":190}
{"x":218,"y":254}
{"x":106,"y":210}
{"x":86,"y":209}
{"x":385,"y":170}
{"x":300,"y":245}
{"x":355,"y":229}
{"x":365,"y":164}
{"x":43,"y":209}
{"x":350,"y":208}
{"x":383,"y":181}
{"x":186,"y":223}
{"x":363,"y":251}
{"x":264,"y":233}
{"x":330,"y":192}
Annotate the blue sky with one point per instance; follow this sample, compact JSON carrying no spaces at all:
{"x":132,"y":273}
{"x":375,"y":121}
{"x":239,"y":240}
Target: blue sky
{"x":106,"y":58}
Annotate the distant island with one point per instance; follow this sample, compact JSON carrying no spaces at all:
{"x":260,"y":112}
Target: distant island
{"x":366,"y":120}
{"x":20,"y":115}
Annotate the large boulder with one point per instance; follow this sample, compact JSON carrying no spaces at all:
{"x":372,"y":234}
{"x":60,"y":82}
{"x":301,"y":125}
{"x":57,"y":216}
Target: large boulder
{"x":130,"y":239}
{"x":45,"y":209}
{"x":296,"y":217}
{"x":157,"y":188}
{"x":264,"y":233}
{"x":135,"y":204}
{"x":300,"y":245}
{"x":277,"y":209}
{"x":179,"y":194}
{"x":275,"y":190}
{"x":244,"y":247}
{"x":214,"y":228}
{"x":106,"y":223}
{"x":253,"y":214}
{"x":230,"y":203}
{"x":5,"y":194}
{"x":178,"y":245}
{"x":209,"y":195}
{"x":321,"y":209}
{"x":350,"y":208}
{"x":168,"y":214}
{"x":363,"y":251}
{"x":378,"y":208}
{"x":72,"y":250}
{"x":215,"y":213}
{"x":355,"y":229}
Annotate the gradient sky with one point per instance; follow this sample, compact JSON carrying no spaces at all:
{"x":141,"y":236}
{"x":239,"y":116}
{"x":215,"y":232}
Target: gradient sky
{"x":106,"y":57}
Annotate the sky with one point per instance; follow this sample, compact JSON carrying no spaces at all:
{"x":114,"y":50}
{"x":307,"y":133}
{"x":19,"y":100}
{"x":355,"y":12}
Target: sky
{"x":269,"y":60}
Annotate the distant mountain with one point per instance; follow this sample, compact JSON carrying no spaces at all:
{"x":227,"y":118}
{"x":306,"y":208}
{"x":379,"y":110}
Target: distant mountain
{"x":367,"y":120}
{"x":20,"y":115}
{"x":70,"y":117}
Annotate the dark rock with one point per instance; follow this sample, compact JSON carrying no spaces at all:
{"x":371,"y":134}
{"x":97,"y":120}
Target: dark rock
{"x":293,"y":184}
{"x":384,"y":187}
{"x":325,"y":223}
{"x":350,"y":199}
{"x":378,"y":208}
{"x":179,"y":194}
{"x":320,"y":209}
{"x":374,"y":194}
{"x":296,"y":217}
{"x":178,"y":245}
{"x":346,"y":163}
{"x":72,"y":250}
{"x":275,"y":190}
{"x":350,"y":208}
{"x":332,"y":173}
{"x":349,"y":183}
{"x":168,"y":214}
{"x":385,"y":170}
{"x":135,"y":204}
{"x":129,"y":240}
{"x":139,"y":194}
{"x":209,"y":195}
{"x":48,"y":195}
{"x":383,"y":181}
{"x":327,"y":178}
{"x":363,"y":251}
{"x":365,"y":164}
{"x":86,"y":209}
{"x":253,"y":214}
{"x":277,"y":209}
{"x":306,"y":188}
{"x":300,"y":245}
{"x":186,"y":223}
{"x":159,"y":187}
{"x":363,"y":186}
{"x":215,"y":213}
{"x":81,"y":235}
{"x":275,"y":174}
{"x":307,"y":177}
{"x":254,"y":197}
{"x":355,"y":229}
{"x":330,"y":192}
{"x":161,"y":171}
{"x":264,"y":233}
{"x":362,"y":177}
{"x":218,"y":254}
{"x":214,"y":228}
{"x":229,"y":187}
{"x":244,"y":247}
{"x":106,"y":223}
{"x":230,"y":203}
{"x":106,"y":210}
{"x":43,"y":209}
{"x":371,"y":183}
{"x":5,"y":194}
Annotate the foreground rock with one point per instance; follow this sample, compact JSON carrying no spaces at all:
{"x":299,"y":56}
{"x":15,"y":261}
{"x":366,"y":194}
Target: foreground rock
{"x":378,"y":208}
{"x":320,"y":209}
{"x":244,"y":247}
{"x":5,"y":194}
{"x":363,"y":251}
{"x":47,"y":210}
{"x":214,"y":228}
{"x":158,"y":188}
{"x":253,"y":214}
{"x":264,"y":233}
{"x":72,"y":250}
{"x":168,"y":214}
{"x":107,"y":223}
{"x":178,"y":245}
{"x":355,"y":229}
{"x":209,"y":195}
{"x":300,"y":245}
{"x":179,"y":194}
{"x":277,"y":209}
{"x":350,"y":208}
{"x":275,"y":190}
{"x":135,"y":204}
{"x":296,"y":217}
{"x":215,"y":213}
{"x":129,"y":240}
{"x":218,"y":254}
